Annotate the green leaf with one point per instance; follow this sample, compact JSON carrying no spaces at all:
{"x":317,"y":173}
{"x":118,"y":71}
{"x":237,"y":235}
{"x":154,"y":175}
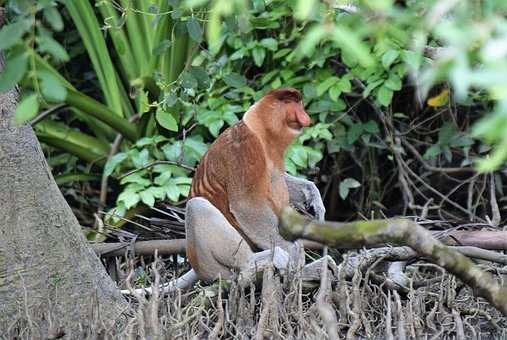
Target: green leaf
{"x":52,"y":88}
{"x":371,"y":127}
{"x":49,"y":45}
{"x":304,"y":9}
{"x":346,"y":185}
{"x":270,"y":43}
{"x":344,"y":84}
{"x":12,"y":33}
{"x":412,"y":59}
{"x":215,"y":127}
{"x":161,"y":47}
{"x":351,"y":42}
{"x":136,"y":178}
{"x":53,"y":17}
{"x":370,"y":87}
{"x":315,"y":34}
{"x":354,"y":132}
{"x":139,"y":159}
{"x":158,"y":192}
{"x":258,"y":54}
{"x":235,"y":80}
{"x":196,"y":146}
{"x":15,"y":68}
{"x":129,"y":199}
{"x":384,"y":95}
{"x":194,"y":29}
{"x":393,"y":82}
{"x":432,"y":152}
{"x":201,"y":75}
{"x":147,"y":198}
{"x":166,"y":120}
{"x":326,"y":84}
{"x":188,"y":81}
{"x":27,"y":108}
{"x":143,"y":102}
{"x":172,"y":191}
{"x":447,"y":132}
{"x":114,"y":162}
{"x":389,"y":57}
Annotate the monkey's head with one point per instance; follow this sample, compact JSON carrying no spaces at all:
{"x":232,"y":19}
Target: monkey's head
{"x":280,"y":113}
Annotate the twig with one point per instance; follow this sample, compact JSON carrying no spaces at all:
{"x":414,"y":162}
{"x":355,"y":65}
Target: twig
{"x":183,"y":166}
{"x":114,"y":149}
{"x":434,"y":168}
{"x":46,"y":113}
{"x":495,"y":211}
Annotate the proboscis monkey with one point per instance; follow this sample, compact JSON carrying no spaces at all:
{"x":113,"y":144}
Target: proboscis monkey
{"x":240,"y":188}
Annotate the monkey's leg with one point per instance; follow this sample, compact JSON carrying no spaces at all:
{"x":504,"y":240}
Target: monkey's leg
{"x":214,"y":247}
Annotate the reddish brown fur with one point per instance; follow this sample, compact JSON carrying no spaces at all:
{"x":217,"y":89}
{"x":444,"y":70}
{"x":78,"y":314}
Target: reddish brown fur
{"x":247,"y":160}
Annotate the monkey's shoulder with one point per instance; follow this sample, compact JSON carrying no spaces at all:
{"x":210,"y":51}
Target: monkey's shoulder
{"x":239,"y":145}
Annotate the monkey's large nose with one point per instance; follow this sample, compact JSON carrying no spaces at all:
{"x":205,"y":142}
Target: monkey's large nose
{"x":303,"y":118}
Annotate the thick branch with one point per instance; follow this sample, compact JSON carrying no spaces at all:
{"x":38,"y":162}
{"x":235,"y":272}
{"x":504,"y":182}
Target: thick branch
{"x":399,"y":232}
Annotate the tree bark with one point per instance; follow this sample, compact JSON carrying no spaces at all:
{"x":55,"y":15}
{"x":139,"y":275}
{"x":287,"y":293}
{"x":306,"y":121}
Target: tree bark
{"x":49,"y":278}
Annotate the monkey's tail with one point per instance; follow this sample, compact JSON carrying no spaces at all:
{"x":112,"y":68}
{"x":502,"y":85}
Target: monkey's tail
{"x":183,"y":282}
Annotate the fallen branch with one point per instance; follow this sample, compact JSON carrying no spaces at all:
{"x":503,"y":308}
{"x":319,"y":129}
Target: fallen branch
{"x":485,"y":239}
{"x":164,"y":247}
{"x":399,"y":232}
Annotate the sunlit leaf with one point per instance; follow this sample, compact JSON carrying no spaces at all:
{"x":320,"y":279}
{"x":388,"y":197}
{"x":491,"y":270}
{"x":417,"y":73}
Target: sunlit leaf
{"x":389,"y":57}
{"x":269,"y":43}
{"x":166,"y":120}
{"x":27,"y":108}
{"x":304,"y":9}
{"x":114,"y":162}
{"x":258,"y":54}
{"x":440,"y":99}
{"x":346,"y":185}
{"x":384,"y":95}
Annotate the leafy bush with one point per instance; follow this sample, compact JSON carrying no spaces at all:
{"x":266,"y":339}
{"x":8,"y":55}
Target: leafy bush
{"x":365,"y":70}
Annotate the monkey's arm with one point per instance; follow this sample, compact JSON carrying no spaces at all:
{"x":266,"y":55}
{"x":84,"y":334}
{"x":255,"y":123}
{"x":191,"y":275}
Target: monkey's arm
{"x":304,"y":195}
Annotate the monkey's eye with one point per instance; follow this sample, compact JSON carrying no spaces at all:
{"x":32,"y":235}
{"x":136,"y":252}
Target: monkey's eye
{"x":287,"y":101}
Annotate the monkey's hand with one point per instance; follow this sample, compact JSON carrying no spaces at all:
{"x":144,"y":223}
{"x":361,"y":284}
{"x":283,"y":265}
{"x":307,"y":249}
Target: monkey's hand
{"x":304,"y":196}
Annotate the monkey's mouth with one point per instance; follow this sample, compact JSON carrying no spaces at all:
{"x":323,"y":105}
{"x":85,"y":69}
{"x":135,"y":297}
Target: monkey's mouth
{"x":295,"y":127}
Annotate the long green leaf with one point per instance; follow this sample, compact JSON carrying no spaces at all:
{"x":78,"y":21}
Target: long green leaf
{"x":74,"y":149}
{"x":76,"y":177}
{"x":136,"y":36}
{"x":87,"y":24}
{"x":120,"y":39}
{"x":65,"y":133}
{"x":102,"y":113}
{"x":100,"y":129}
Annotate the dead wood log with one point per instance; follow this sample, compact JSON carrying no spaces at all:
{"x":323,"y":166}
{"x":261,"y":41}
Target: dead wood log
{"x":400,"y":232}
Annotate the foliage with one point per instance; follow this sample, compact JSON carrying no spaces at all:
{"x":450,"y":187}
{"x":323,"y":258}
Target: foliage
{"x":177,"y":73}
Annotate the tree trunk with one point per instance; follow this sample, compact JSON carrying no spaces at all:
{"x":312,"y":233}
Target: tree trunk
{"x":49,"y":278}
